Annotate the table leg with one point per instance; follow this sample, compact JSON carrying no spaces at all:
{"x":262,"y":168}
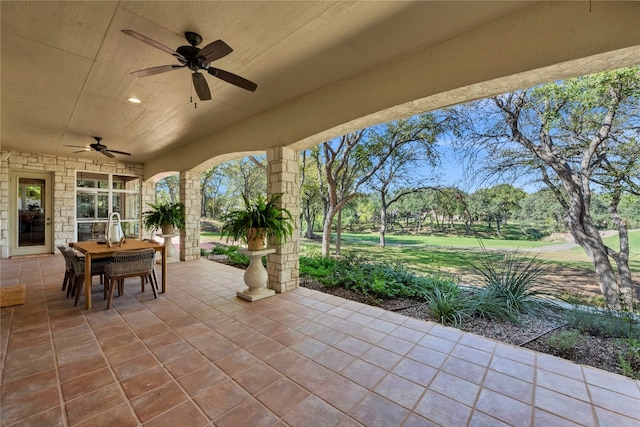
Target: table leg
{"x":164,"y":268}
{"x":87,"y":281}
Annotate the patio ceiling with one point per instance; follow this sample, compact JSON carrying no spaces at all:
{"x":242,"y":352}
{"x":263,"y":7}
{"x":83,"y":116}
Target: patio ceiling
{"x":322,"y":68}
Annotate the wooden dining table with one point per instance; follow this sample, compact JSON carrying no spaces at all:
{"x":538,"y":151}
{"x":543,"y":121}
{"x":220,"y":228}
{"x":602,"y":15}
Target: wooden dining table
{"x":93,"y":250}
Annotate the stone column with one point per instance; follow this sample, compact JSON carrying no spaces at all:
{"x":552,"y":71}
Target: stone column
{"x":283,"y":177}
{"x":190,"y":234}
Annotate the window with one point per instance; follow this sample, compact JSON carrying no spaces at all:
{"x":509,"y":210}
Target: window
{"x":100,"y":194}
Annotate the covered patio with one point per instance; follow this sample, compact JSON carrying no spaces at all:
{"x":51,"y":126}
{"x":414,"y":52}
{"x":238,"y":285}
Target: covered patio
{"x":200,"y":356}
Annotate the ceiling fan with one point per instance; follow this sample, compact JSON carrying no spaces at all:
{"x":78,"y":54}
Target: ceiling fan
{"x":195,"y":59}
{"x":100,"y":148}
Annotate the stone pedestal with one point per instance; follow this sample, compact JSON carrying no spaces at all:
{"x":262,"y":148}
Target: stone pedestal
{"x":172,"y":253}
{"x":255,"y":276}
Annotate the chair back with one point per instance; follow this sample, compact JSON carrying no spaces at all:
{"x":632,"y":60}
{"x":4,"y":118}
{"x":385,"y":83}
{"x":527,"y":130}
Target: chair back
{"x":67,"y":262}
{"x":136,"y":262}
{"x":76,"y":263}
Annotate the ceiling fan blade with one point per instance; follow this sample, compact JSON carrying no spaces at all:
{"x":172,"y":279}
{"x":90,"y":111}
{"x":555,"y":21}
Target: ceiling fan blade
{"x":107,"y":153}
{"x":153,"y":43}
{"x":83,"y":151}
{"x":201,"y":86}
{"x":213,"y":51}
{"x":156,"y":70}
{"x":117,"y":152}
{"x":78,"y":146}
{"x":234,"y":79}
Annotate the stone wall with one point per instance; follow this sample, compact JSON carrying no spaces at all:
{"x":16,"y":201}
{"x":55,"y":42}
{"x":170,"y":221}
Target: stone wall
{"x":190,"y":197}
{"x":63,"y":170}
{"x":283,"y":178}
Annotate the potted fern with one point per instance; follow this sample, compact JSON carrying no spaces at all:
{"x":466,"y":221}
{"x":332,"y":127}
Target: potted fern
{"x":164,"y":216}
{"x":261,"y":219}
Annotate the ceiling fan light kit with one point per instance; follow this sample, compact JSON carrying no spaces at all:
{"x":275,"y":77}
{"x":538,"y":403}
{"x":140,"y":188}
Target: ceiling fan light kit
{"x":195,"y":59}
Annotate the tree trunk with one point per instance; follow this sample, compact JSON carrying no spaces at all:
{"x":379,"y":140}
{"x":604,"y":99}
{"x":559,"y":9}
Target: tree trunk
{"x":326,"y":231}
{"x":383,"y":225}
{"x":338,"y":231}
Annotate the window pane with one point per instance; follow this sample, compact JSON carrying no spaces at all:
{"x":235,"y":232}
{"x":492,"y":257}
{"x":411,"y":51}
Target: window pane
{"x":121,"y":182}
{"x":85,"y":205}
{"x":103,"y":205}
{"x":127,"y":204}
{"x":91,"y":179}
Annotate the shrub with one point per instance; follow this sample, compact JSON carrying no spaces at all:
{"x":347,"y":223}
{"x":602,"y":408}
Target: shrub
{"x":512,"y":283}
{"x":630,"y":360}
{"x":376,"y":279}
{"x":564,"y":342}
{"x":449,"y":306}
{"x":604,"y":323}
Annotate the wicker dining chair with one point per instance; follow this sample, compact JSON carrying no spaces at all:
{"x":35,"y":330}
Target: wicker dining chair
{"x":134,"y":263}
{"x":77,"y":263}
{"x":68,"y":273}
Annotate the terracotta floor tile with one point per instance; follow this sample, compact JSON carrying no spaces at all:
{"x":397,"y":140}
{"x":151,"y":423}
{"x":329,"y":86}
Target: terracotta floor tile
{"x":28,"y":385}
{"x":396,"y":345}
{"x":201,"y":379}
{"x":615,"y":402}
{"x":602,"y":379}
{"x":185,"y":414}
{"x":478,"y":342}
{"x":559,"y":366}
{"x":334,"y":359}
{"x":172,"y":351}
{"x":134,"y":366}
{"x":313,"y":411}
{"x":515,"y":369}
{"x":382,"y":358}
{"x":87,"y":383}
{"x":111,"y":343}
{"x":264,"y":347}
{"x":480,"y":419}
{"x":564,"y":406}
{"x":442,"y":410}
{"x":609,"y":418}
{"x":363,"y":373}
{"x":50,"y":418}
{"x":289,"y":337}
{"x":120,"y":354}
{"x":515,"y":353}
{"x":145,"y":381}
{"x":286,"y":361}
{"x":376,"y":411}
{"x":187,"y":364}
{"x":354,"y":346}
{"x":17,"y":371}
{"x":237,"y":362}
{"x":471,"y":354}
{"x":311,"y":375}
{"x":455,"y":388}
{"x":34,"y":403}
{"x":509,"y":386}
{"x":248,"y":413}
{"x":546,"y":419}
{"x":161,"y":339}
{"x":341,"y":393}
{"x":157,"y":401}
{"x":562,"y":384}
{"x":415,"y":371}
{"x":310,"y":347}
{"x":82,"y":367}
{"x":91,"y":404}
{"x":257,"y":377}
{"x":464,"y":369}
{"x":219,"y":399}
{"x":400,"y":390}
{"x":120,"y":416}
{"x":504,"y":408}
{"x":384,"y":326}
{"x":281,"y":396}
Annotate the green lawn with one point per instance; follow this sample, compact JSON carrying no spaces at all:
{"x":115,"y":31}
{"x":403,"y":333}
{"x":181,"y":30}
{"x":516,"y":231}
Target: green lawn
{"x":454,"y":254}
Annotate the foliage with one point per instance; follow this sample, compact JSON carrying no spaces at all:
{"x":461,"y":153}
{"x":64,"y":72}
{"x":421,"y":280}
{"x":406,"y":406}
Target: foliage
{"x":449,"y":306}
{"x":630,"y":359}
{"x":261,"y":213}
{"x":604,"y":323}
{"x":377,"y":279}
{"x":164,"y":213}
{"x":564,"y":342}
{"x":511,"y":283}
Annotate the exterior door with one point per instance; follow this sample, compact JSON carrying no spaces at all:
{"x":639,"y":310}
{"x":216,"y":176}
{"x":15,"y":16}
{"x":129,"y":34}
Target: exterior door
{"x":30,"y":213}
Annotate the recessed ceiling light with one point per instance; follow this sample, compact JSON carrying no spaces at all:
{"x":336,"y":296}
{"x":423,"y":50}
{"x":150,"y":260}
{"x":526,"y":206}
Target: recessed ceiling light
{"x":134,"y":100}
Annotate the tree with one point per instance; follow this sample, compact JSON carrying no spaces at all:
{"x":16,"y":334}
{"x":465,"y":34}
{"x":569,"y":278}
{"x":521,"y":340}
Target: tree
{"x":211,"y":191}
{"x":403,"y":174}
{"x":347,"y":163}
{"x":167,"y":189}
{"x":573,"y":135}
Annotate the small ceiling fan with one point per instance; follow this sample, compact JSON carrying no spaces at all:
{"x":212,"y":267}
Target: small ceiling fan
{"x":100,"y":148}
{"x":195,"y":59}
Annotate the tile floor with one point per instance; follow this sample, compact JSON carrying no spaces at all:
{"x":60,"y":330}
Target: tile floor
{"x":200,"y":356}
